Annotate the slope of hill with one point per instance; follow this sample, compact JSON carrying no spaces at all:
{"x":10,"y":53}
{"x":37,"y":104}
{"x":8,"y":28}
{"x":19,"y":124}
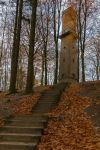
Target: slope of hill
{"x":75,"y":123}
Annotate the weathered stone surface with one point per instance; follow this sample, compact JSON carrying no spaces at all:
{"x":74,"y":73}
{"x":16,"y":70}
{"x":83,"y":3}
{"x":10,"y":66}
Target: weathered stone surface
{"x":68,"y":70}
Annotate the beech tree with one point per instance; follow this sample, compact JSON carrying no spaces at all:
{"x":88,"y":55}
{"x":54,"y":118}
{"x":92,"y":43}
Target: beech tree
{"x":30,"y":72}
{"x":43,"y":27}
{"x":16,"y":45}
{"x":93,"y":58}
{"x":56,"y":9}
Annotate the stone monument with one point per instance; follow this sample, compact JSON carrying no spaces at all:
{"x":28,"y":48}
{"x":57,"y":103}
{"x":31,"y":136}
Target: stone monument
{"x":68,"y":69}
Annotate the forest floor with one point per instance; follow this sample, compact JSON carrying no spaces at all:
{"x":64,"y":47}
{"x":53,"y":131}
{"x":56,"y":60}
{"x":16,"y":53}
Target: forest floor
{"x":19,"y":103}
{"x":75,"y":123}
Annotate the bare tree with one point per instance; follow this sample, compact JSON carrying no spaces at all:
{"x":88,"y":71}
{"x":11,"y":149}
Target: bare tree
{"x":30,"y":72}
{"x":16,"y":44}
{"x":56,"y":9}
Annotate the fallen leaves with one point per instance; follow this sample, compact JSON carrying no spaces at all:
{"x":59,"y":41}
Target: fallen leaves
{"x":2,"y":121}
{"x":69,"y":127}
{"x":16,"y":104}
{"x":19,"y":104}
{"x":25,"y":105}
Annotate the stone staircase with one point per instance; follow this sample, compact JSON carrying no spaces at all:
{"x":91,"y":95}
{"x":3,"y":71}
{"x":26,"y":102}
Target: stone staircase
{"x":24,"y":132}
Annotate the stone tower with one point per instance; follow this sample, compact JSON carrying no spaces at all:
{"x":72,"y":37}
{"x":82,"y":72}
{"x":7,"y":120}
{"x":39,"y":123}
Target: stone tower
{"x":68,"y":70}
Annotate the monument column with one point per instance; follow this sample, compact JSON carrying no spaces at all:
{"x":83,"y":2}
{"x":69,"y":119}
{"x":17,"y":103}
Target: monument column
{"x":68,"y":70}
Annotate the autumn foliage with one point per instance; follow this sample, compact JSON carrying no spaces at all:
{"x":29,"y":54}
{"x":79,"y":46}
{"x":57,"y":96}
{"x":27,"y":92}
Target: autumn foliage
{"x":69,"y":127}
{"x":13,"y":105}
{"x":25,"y":105}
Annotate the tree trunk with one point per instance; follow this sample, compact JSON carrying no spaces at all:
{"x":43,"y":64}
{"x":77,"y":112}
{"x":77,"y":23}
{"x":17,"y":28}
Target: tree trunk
{"x":42,"y":74}
{"x":56,"y":68}
{"x":30,"y":72}
{"x":83,"y":68}
{"x":82,"y":34}
{"x":16,"y":43}
{"x":97,"y":67}
{"x":78,"y":63}
{"x":45,"y":64}
{"x":56,"y":11}
{"x":2,"y":51}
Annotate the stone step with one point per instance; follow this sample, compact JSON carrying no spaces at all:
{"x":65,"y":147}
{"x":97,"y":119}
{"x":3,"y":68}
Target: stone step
{"x":30,"y":120}
{"x":27,"y":130}
{"x":21,"y":134}
{"x":25,"y":123}
{"x":46,"y":102}
{"x":55,"y":92}
{"x":17,"y":146}
{"x":44,"y":106}
{"x":15,"y":137}
{"x":33,"y":116}
{"x":24,"y":132}
{"x":41,"y":108}
{"x":22,"y":127}
{"x":49,"y":97}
